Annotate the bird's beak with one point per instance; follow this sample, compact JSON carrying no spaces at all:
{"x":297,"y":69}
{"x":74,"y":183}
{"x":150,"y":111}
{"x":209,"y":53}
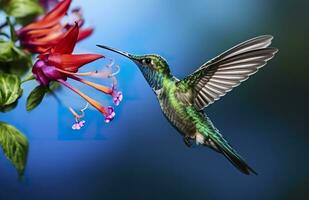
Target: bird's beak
{"x":131,"y":57}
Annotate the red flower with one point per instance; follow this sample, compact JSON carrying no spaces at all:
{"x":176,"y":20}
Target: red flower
{"x":58,"y":64}
{"x":39,"y":36}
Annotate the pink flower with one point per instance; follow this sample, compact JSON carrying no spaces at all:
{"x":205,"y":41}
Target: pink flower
{"x":117,"y":97}
{"x":111,"y":114}
{"x":78,"y":125}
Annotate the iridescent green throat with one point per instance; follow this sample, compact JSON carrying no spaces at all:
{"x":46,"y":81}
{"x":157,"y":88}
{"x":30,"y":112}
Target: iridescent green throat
{"x":155,"y":79}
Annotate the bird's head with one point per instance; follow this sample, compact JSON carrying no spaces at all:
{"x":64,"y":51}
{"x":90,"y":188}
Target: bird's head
{"x":153,"y":67}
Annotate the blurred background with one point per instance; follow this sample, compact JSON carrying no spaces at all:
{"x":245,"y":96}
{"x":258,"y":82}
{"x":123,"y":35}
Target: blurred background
{"x":140,"y":155}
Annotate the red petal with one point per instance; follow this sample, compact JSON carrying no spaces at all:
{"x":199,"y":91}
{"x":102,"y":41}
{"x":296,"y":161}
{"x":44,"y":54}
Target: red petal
{"x":84,"y":33}
{"x":51,"y":38}
{"x":50,"y":19}
{"x":41,"y":45}
{"x":58,"y":12}
{"x":43,"y":56}
{"x":67,"y":43}
{"x":70,"y":62}
{"x":34,"y":48}
{"x":42,"y":32}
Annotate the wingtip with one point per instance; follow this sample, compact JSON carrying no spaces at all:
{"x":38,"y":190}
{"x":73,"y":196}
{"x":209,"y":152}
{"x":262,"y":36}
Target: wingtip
{"x":267,"y":36}
{"x":264,"y":37}
{"x":273,"y":50}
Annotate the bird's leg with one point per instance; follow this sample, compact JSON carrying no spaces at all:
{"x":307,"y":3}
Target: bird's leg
{"x":187,"y":141}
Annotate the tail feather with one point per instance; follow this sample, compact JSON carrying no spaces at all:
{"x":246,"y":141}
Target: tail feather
{"x":235,"y":159}
{"x":223,"y":146}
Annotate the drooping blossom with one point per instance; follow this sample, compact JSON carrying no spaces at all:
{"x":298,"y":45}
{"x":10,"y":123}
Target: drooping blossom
{"x":58,"y":64}
{"x":39,"y":36}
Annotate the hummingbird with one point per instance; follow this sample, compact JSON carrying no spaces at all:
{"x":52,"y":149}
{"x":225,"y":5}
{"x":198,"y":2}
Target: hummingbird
{"x":183,"y":101}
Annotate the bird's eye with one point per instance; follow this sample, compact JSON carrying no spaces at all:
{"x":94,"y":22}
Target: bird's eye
{"x":148,"y":61}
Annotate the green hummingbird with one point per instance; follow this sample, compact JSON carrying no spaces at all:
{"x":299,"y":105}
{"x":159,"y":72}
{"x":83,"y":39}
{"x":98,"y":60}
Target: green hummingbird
{"x":183,"y":101}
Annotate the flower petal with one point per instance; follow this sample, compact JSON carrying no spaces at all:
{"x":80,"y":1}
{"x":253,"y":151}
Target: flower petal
{"x":38,"y":46}
{"x":117,"y":97}
{"x":82,"y":123}
{"x":67,"y":43}
{"x":35,"y":49}
{"x":70,"y":62}
{"x":110,"y":114}
{"x":58,"y":42}
{"x":75,"y":126}
{"x":37,"y":33}
{"x":50,"y":38}
{"x":50,"y":19}
{"x":58,"y":12}
{"x":84,"y":33}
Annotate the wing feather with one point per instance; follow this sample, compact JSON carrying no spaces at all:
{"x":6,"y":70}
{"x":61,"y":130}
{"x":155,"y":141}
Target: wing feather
{"x":221,"y":74}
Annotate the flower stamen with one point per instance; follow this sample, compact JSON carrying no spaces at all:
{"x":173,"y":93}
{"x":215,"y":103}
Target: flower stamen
{"x":96,"y":86}
{"x":79,"y":123}
{"x":78,"y":73}
{"x":91,"y":101}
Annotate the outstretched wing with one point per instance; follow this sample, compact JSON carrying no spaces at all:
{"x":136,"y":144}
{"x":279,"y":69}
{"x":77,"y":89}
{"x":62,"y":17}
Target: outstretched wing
{"x":226,"y":71}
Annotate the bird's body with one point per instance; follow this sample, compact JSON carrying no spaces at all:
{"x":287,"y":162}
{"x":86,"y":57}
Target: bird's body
{"x":177,"y":106}
{"x":183,"y":101}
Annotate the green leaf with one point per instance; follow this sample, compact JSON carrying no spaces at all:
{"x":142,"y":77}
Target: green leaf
{"x":8,"y":108}
{"x":10,"y":89}
{"x":6,"y":51}
{"x":16,"y":67}
{"x":35,"y":97}
{"x":37,"y":94}
{"x":14,"y":145}
{"x":24,"y":11}
{"x":14,"y":60}
{"x":22,"y":63}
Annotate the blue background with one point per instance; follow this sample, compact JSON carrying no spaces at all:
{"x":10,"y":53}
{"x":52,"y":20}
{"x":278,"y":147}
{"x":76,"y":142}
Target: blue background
{"x":139,"y":155}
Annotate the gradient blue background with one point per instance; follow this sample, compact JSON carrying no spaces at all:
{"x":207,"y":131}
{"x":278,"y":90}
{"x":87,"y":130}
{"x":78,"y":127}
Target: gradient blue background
{"x":139,"y":155}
